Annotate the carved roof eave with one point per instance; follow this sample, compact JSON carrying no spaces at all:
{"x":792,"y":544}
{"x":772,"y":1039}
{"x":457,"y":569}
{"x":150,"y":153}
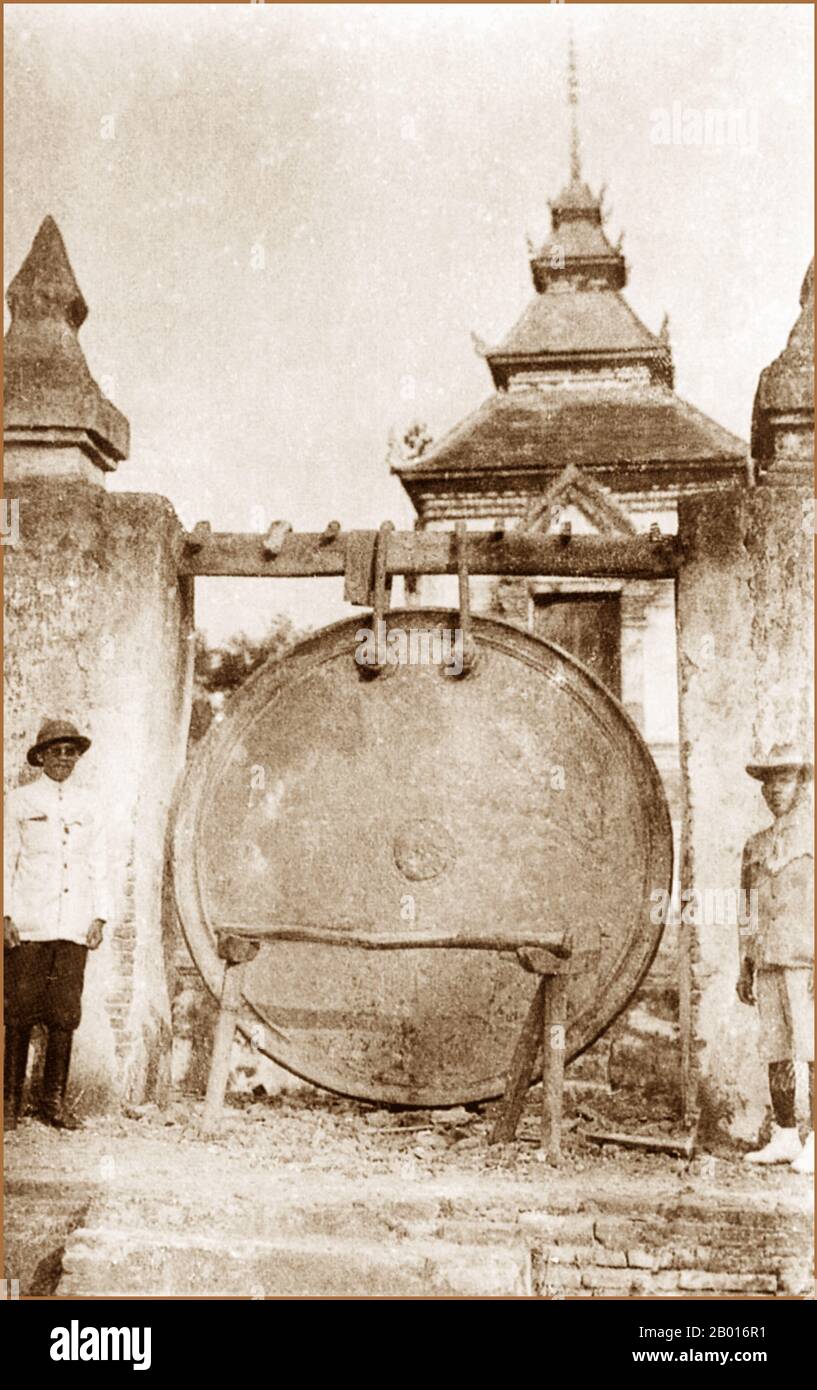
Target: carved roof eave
{"x":597,"y":357}
{"x":577,"y":487}
{"x":628,"y":476}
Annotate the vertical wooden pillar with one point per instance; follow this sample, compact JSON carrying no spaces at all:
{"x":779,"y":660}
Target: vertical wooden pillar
{"x":236,"y":953}
{"x":553,"y":1066}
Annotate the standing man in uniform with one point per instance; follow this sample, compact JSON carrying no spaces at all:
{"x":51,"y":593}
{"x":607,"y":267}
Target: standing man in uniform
{"x":777,"y":954}
{"x":55,"y":908}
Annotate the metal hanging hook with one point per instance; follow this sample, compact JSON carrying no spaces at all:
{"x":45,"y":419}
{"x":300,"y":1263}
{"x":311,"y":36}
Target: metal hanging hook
{"x":469,"y":646}
{"x":380,"y":665}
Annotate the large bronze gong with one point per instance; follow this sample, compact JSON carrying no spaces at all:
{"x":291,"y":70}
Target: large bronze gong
{"x":520,"y":798}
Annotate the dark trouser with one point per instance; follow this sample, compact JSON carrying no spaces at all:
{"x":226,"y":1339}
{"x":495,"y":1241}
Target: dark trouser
{"x":42,"y":984}
{"x":782,"y":1090}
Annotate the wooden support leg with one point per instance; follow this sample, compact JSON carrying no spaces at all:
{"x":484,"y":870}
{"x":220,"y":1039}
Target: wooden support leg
{"x":521,"y":1069}
{"x":553,"y":1066}
{"x":236,"y":953}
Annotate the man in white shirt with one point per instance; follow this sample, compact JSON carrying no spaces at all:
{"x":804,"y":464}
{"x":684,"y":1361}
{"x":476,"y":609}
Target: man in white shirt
{"x":55,"y":907}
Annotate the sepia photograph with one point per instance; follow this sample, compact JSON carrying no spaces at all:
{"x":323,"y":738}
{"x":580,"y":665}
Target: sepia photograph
{"x":408,"y":533}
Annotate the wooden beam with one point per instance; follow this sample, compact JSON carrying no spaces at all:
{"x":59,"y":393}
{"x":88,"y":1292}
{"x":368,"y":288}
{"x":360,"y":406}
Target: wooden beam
{"x":683,"y":1145}
{"x":398,"y":941}
{"x":311,"y":555}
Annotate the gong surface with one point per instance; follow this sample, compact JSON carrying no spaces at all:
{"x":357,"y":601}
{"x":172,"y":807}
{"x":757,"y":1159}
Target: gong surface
{"x":520,"y":798}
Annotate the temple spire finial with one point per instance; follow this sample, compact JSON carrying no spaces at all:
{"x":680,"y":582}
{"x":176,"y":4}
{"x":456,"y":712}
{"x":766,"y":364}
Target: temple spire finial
{"x":573,"y":103}
{"x":48,"y":385}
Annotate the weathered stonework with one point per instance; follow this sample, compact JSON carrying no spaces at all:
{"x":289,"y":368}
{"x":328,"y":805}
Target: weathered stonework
{"x":745,"y":616}
{"x":98,"y":628}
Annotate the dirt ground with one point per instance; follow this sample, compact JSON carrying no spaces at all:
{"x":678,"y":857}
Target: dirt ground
{"x":309,"y":1132}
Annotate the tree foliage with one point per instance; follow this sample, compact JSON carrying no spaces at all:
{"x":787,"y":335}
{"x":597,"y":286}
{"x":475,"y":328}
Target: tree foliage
{"x":218,"y":671}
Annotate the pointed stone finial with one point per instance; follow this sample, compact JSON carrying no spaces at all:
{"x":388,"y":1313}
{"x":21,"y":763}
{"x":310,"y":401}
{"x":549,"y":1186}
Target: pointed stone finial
{"x":481,"y":348}
{"x":44,"y":286}
{"x":663,"y":331}
{"x":783,"y":413}
{"x":807,"y":290}
{"x":57,"y":419}
{"x":573,"y":103}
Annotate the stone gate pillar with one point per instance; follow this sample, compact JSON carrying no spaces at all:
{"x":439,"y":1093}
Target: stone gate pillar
{"x":745,"y":620}
{"x":97,"y":629}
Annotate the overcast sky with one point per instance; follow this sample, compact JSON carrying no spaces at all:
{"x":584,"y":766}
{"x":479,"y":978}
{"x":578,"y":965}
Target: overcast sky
{"x":287,"y":219}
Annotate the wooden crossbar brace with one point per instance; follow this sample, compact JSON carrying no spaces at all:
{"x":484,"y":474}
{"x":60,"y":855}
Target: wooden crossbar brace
{"x":399,"y":941}
{"x":549,"y":955}
{"x":323,"y":554}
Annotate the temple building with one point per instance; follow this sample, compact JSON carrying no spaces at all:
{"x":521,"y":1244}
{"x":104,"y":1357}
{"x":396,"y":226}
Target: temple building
{"x":583,"y":430}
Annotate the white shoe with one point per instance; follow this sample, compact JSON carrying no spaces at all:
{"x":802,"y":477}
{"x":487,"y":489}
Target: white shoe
{"x":804,"y":1163}
{"x":783,"y":1147}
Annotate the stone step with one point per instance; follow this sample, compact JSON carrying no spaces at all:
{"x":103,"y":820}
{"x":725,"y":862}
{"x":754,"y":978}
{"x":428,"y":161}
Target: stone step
{"x":379,"y":1215}
{"x":100,"y":1262}
{"x":37,"y":1221}
{"x":343,"y":1238}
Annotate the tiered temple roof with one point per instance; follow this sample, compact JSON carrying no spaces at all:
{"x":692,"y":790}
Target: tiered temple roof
{"x":580,"y":380}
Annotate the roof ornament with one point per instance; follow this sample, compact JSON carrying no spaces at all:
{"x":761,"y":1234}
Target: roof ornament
{"x":663,"y":331}
{"x":416,"y":440}
{"x":573,"y":103}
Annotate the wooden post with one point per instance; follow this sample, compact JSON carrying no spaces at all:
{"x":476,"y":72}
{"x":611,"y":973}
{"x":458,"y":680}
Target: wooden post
{"x":521,"y":1068}
{"x":236,"y":953}
{"x":553,"y":1066}
{"x":545,"y":1023}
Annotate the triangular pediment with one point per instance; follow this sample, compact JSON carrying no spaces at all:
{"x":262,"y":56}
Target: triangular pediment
{"x":576,"y":497}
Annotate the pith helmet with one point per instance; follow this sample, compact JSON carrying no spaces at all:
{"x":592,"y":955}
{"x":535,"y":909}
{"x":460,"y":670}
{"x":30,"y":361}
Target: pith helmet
{"x":56,"y":731}
{"x":781,"y":757}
